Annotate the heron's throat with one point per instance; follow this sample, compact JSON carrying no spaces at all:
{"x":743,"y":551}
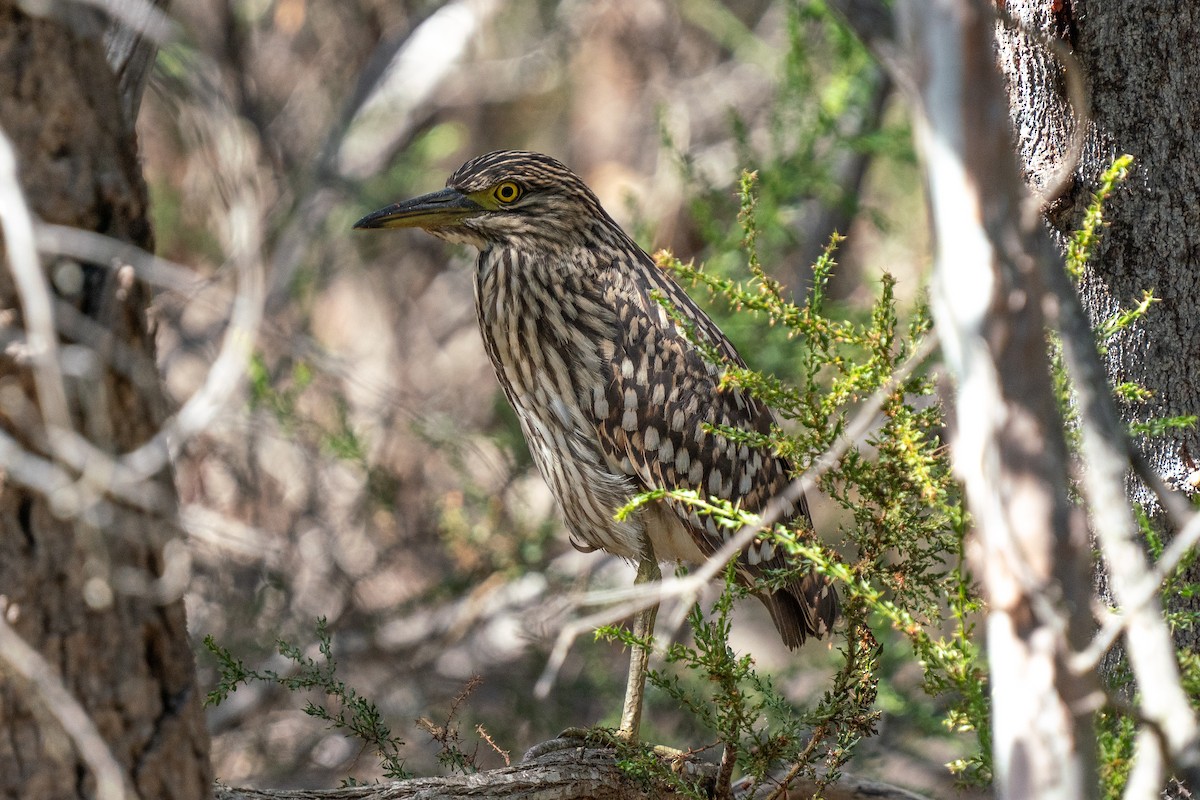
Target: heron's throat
{"x":537,"y":301}
{"x":535,"y":266}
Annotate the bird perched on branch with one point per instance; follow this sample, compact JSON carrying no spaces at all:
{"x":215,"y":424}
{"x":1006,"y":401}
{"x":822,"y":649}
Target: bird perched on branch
{"x":612,"y":395}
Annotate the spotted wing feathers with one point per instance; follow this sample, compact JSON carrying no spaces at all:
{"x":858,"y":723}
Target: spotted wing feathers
{"x":660,"y":392}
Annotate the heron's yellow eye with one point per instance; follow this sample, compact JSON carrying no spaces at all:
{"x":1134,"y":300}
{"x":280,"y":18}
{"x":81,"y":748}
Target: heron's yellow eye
{"x":507,"y":192}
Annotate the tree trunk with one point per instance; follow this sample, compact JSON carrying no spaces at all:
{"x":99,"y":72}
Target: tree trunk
{"x":1140,"y":67}
{"x":1140,"y":63}
{"x":1138,"y":104}
{"x":82,"y":562}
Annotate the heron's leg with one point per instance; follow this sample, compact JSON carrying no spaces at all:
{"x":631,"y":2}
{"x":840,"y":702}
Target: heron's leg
{"x":639,"y":657}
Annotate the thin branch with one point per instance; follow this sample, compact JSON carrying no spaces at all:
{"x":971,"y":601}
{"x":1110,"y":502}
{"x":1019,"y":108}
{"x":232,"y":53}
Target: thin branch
{"x":1143,"y":595}
{"x":16,"y":220}
{"x":227,"y":371}
{"x":140,"y":16}
{"x":412,"y":76}
{"x":1178,"y":510}
{"x":130,"y":46}
{"x":96,"y":248}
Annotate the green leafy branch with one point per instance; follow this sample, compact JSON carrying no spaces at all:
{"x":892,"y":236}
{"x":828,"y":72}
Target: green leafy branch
{"x":349,"y":711}
{"x":897,"y":557}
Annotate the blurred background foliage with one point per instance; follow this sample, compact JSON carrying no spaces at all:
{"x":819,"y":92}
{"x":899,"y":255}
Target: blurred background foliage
{"x":373,"y":474}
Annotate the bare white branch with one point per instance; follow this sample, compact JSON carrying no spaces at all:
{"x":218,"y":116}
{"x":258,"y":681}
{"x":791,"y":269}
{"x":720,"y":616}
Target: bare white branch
{"x":1145,"y":594}
{"x":97,"y":248}
{"x":41,"y":335}
{"x":416,"y":72}
{"x":1009,"y":448}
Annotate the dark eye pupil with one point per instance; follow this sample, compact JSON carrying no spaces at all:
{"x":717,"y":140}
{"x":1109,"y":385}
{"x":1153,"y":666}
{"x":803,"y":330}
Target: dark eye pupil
{"x":508,"y":192}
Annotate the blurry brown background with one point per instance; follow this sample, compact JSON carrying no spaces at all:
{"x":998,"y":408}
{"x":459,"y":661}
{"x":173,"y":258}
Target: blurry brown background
{"x":370,"y":472}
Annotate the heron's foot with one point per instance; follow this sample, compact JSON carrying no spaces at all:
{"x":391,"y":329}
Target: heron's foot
{"x":680,"y":761}
{"x":576,"y":738}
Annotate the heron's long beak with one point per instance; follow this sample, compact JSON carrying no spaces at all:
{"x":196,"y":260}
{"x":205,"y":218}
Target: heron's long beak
{"x":434,"y":210}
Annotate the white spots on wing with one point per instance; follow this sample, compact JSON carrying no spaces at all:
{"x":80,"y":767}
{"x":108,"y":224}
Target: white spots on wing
{"x":626,"y":368}
{"x":643,"y":372}
{"x":677,"y":420}
{"x":714,"y":482}
{"x":651,"y":440}
{"x":659,"y":395}
{"x":629,"y":420}
{"x":666,"y":450}
{"x":683,"y":461}
{"x":760,"y":553}
{"x":696,"y":473}
{"x":599,"y":403}
{"x":767,"y":551}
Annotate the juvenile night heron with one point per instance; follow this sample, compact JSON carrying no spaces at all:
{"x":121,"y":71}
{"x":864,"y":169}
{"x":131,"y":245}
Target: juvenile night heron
{"x":611,"y":394}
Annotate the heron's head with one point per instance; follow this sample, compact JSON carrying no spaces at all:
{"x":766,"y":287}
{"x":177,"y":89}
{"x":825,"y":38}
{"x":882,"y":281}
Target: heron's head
{"x":506,"y":198}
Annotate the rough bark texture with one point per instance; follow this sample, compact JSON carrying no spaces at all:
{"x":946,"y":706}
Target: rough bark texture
{"x":1139,"y":65}
{"x":1140,"y":62}
{"x":570,"y":774}
{"x":123,"y":654}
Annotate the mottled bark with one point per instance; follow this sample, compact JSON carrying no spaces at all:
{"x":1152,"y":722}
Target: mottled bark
{"x":80,"y":570}
{"x":1140,"y":63}
{"x":573,"y":774}
{"x":1139,"y":67}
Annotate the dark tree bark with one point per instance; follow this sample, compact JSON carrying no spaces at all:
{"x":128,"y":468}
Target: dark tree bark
{"x":1139,"y":67}
{"x":570,"y":774}
{"x":80,"y":568}
{"x":1140,"y":63}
